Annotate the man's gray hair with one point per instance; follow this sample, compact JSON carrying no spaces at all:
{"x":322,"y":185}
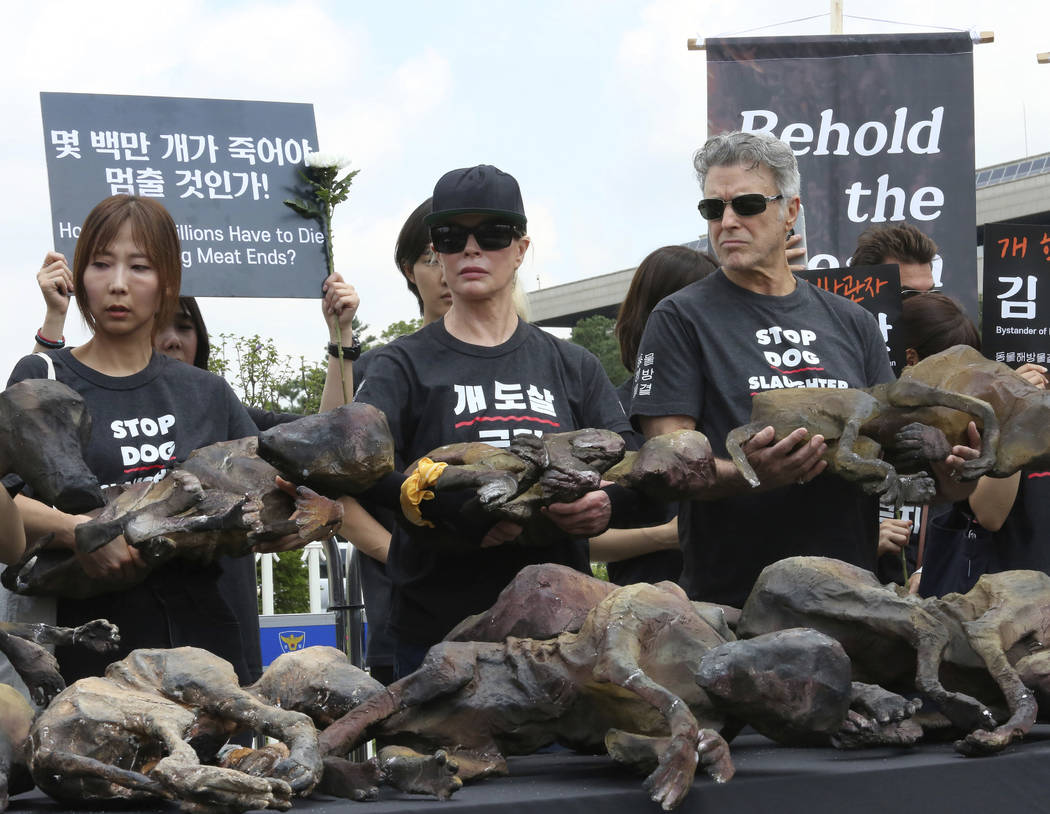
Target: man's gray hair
{"x":750,"y":149}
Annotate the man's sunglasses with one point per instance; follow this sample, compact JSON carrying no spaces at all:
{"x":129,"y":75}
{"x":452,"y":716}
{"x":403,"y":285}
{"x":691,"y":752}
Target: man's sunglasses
{"x":751,"y":204}
{"x":911,"y":292}
{"x":452,"y":238}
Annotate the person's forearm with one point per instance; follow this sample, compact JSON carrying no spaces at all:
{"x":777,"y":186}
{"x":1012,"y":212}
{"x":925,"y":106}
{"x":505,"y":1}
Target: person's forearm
{"x":338,"y":304}
{"x":39,"y":519}
{"x":53,"y":328}
{"x":993,"y":499}
{"x":363,"y":531}
{"x":332,"y":394}
{"x":621,"y":544}
{"x":12,"y":532}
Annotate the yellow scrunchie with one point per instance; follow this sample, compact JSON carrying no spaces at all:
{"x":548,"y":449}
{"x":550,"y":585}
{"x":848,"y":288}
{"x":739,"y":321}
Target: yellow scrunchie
{"x":416,"y":489}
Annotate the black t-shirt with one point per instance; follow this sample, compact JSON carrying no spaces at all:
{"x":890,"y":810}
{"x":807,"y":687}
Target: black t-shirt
{"x":376,"y":588}
{"x":438,"y":390}
{"x":141,"y":425}
{"x":706,"y":350}
{"x":957,"y":555}
{"x":1024,"y":539}
{"x":656,"y":566}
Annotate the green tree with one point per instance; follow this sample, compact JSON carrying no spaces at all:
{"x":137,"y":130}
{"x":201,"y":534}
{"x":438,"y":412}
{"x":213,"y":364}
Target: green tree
{"x":252,"y":366}
{"x":291,"y":588}
{"x":400,"y":328}
{"x":302,"y":391}
{"x":263,"y":378}
{"x":361,"y":331}
{"x":596,"y":334}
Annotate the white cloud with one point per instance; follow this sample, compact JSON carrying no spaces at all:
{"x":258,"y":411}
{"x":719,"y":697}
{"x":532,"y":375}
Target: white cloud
{"x":290,"y":50}
{"x":390,"y":114}
{"x":666,"y":83}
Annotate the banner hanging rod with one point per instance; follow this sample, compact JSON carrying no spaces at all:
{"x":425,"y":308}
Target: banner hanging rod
{"x":978,"y":37}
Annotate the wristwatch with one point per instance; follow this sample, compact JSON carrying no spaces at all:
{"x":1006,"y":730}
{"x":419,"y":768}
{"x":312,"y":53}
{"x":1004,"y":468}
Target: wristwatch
{"x":351,"y":352}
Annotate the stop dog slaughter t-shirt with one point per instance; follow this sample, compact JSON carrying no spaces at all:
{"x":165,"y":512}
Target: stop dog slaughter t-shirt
{"x":706,"y":350}
{"x":142,"y":424}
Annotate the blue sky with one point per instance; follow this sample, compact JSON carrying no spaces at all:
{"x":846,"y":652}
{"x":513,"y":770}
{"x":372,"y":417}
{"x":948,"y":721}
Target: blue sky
{"x":596,"y":108}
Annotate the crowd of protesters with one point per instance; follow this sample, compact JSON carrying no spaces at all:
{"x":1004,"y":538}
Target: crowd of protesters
{"x":694,"y":331}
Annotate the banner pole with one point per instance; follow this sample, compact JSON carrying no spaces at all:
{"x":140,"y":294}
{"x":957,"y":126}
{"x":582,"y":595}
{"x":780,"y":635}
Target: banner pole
{"x":978,"y":37}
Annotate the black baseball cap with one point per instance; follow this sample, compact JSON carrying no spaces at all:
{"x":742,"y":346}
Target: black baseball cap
{"x":484,"y":188}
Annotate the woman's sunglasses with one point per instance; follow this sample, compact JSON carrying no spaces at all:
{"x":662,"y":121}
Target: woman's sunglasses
{"x":452,"y":238}
{"x":751,"y":204}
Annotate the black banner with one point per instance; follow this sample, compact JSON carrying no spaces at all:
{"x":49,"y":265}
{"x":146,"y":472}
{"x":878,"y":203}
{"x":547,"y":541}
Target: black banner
{"x":222,"y":168}
{"x":882,"y":127}
{"x":1015,"y":324}
{"x":877,"y":289}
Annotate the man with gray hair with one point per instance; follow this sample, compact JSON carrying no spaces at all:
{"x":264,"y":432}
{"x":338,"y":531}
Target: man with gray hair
{"x":751,"y":326}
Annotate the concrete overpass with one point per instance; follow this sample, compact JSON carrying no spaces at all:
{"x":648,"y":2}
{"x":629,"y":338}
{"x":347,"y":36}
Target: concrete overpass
{"x":1016,"y":192}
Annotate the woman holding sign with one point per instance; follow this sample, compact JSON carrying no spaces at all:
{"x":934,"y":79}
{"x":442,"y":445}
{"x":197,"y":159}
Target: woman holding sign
{"x":148,"y":411}
{"x":184,"y":337}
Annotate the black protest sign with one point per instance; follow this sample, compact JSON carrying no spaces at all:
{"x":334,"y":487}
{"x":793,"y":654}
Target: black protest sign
{"x":222,"y":168}
{"x":882,"y":127}
{"x":1015,"y":324}
{"x":876,"y":289}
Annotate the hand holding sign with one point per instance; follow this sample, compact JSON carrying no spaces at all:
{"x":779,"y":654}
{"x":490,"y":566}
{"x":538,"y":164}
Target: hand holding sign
{"x":56,"y":282}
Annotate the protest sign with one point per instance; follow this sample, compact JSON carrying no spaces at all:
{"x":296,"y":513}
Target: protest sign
{"x":882,"y":127}
{"x":222,"y":168}
{"x":1015,"y":324}
{"x":877,"y":290}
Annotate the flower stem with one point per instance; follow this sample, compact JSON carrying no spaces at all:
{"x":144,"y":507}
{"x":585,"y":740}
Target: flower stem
{"x":326,"y":214}
{"x":897,"y":513}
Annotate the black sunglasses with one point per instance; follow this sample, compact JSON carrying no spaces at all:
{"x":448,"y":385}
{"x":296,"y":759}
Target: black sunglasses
{"x":911,"y":292}
{"x":751,"y":204}
{"x":452,"y":238}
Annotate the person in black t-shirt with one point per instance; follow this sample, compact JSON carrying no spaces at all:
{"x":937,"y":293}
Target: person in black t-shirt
{"x":184,"y":337}
{"x":366,"y":524}
{"x":480,"y":374}
{"x":1013,"y":509}
{"x":752,"y":326}
{"x":651,"y":553}
{"x":148,"y":412}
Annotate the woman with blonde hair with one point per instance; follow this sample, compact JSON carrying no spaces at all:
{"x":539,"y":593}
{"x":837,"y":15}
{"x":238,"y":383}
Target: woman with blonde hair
{"x":480,"y":373}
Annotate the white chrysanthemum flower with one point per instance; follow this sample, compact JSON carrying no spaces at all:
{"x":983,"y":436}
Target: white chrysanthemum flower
{"x":335,"y":161}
